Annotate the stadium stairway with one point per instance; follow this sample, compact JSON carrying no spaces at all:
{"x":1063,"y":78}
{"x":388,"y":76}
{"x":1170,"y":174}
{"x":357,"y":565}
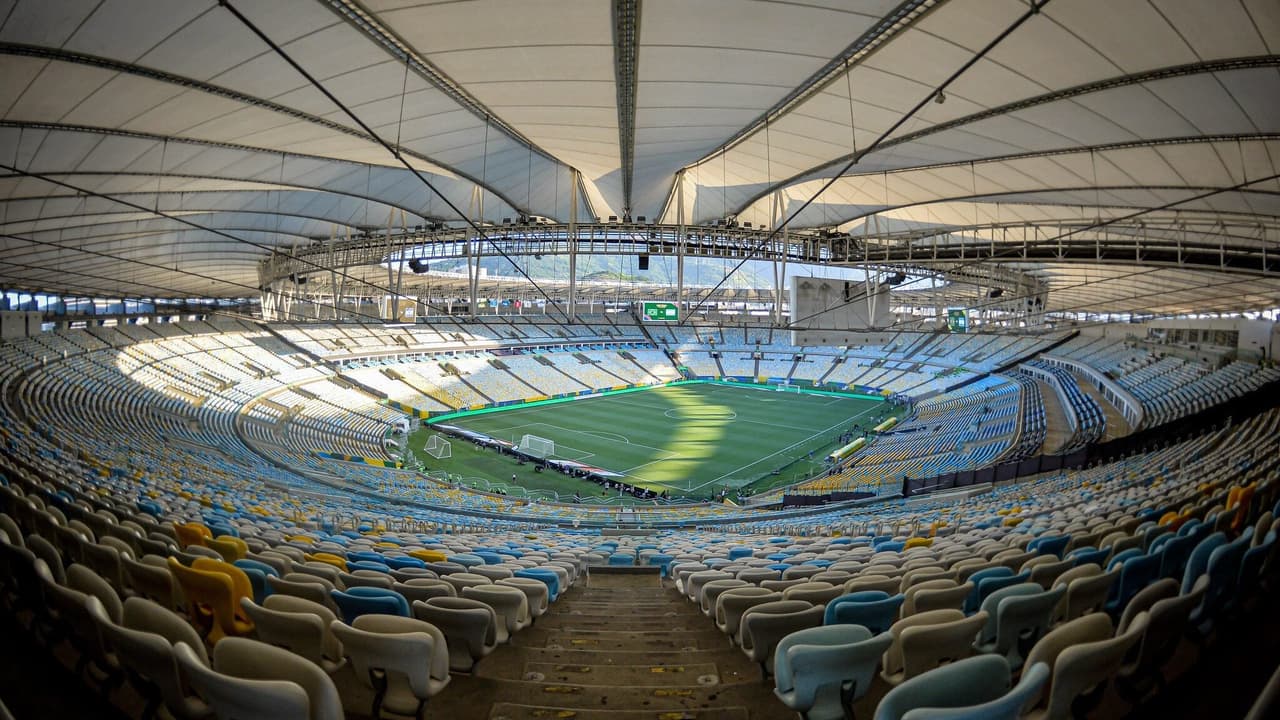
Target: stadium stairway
{"x":670,"y":663}
{"x":1117,"y":426}
{"x":1057,"y":428}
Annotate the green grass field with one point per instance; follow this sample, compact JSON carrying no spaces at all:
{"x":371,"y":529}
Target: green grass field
{"x":689,"y":439}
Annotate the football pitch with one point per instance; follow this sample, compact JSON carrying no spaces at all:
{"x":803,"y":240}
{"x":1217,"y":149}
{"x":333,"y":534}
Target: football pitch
{"x":689,"y":439}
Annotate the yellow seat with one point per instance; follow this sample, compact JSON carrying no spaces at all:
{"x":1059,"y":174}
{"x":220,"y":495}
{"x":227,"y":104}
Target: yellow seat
{"x":191,"y":533}
{"x":213,"y":598}
{"x":429,"y":555}
{"x":918,"y":542}
{"x":229,"y":547}
{"x":303,"y":539}
{"x":328,"y":559}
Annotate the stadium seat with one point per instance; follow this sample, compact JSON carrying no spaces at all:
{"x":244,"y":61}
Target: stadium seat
{"x":820,"y":671}
{"x":255,"y":681}
{"x":509,"y":604}
{"x":762,"y":626}
{"x":403,"y":660}
{"x":297,"y":625}
{"x":873,"y":609}
{"x":213,"y":600}
{"x":962,"y":684}
{"x":470,"y":628}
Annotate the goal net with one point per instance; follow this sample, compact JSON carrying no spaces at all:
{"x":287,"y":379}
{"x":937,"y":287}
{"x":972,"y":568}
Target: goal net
{"x":438,"y":448}
{"x":538,"y":447}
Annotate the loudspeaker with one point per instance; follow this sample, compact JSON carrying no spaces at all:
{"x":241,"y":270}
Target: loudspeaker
{"x":643,"y":262}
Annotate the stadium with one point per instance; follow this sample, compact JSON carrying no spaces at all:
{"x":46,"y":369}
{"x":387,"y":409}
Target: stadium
{"x":661,"y":359}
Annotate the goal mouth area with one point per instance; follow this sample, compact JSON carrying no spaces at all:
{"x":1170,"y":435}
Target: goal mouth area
{"x":438,"y":447}
{"x":538,"y":447}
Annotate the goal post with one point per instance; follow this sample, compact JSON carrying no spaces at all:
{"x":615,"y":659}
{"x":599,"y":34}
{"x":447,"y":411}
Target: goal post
{"x":538,"y":447}
{"x":438,"y":448}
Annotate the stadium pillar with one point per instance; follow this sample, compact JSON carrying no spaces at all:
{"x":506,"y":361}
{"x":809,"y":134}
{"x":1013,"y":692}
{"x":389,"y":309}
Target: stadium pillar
{"x":681,"y":243}
{"x":473,"y":260}
{"x":573,"y":245}
{"x":780,"y":265}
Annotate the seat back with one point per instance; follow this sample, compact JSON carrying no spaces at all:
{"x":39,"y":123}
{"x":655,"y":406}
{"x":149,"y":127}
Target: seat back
{"x":762,"y":626}
{"x":80,"y":577}
{"x":509,"y":604}
{"x":150,"y":660}
{"x":1085,"y":629}
{"x":873,"y":609}
{"x":357,"y":601}
{"x":1006,"y":707}
{"x":1085,"y":595}
{"x":1145,"y":598}
{"x":967,"y":682}
{"x":1082,"y":667}
{"x":409,"y":655}
{"x":1022,"y":620}
{"x":469,"y":626}
{"x":893,"y":659}
{"x":941,"y":598}
{"x":925,"y":647}
{"x":732,"y":603}
{"x":817,"y":670}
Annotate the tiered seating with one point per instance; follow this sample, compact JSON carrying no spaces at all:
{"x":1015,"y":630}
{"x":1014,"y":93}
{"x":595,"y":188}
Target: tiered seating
{"x":1168,"y":388}
{"x":1179,"y":539}
{"x":1088,"y":422}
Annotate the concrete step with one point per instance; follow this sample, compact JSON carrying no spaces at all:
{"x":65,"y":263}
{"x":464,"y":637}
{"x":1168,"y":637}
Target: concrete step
{"x":509,"y":711}
{"x":655,"y":675}
{"x":674,"y":640}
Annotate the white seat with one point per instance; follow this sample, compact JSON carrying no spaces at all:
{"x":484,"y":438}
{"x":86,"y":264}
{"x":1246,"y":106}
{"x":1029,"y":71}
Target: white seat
{"x":469,"y":626}
{"x":299,"y":626}
{"x":509,"y":604}
{"x":251,"y":680}
{"x":404,"y":660}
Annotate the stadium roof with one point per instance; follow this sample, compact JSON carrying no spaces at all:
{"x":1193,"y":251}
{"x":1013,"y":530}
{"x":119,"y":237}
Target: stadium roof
{"x":164,"y":147}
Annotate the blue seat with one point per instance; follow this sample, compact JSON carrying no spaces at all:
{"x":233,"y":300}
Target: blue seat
{"x":357,"y":601}
{"x":489,"y":558}
{"x":1174,"y":551}
{"x":257,"y":573}
{"x":367,"y":565}
{"x":622,"y":558}
{"x":1090,"y":555}
{"x":548,"y":577}
{"x":874,"y":610}
{"x":1122,"y":557}
{"x":777,"y":557}
{"x":1224,"y":573}
{"x":1251,"y":566}
{"x":664,"y":561}
{"x":366,"y":555}
{"x":402,"y":562}
{"x":1135,"y":574}
{"x":1198,"y":561}
{"x":466,"y":559}
{"x":989,"y":585}
{"x":890,"y":546}
{"x":1049,"y":544}
{"x":974,"y":600}
{"x":819,"y":671}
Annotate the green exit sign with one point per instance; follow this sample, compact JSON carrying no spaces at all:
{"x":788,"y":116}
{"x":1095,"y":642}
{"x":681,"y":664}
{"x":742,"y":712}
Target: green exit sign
{"x":660,"y":311}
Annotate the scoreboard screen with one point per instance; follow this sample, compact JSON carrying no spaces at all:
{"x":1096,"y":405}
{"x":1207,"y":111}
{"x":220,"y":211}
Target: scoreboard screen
{"x":660,"y":311}
{"x":958,"y":320}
